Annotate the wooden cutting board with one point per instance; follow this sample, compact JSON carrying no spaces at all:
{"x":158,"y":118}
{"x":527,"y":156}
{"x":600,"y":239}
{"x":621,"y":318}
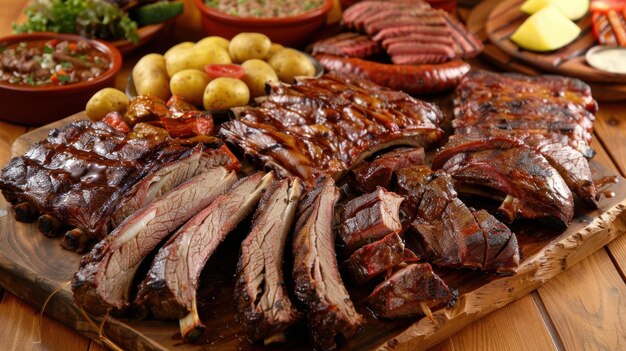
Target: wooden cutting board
{"x":33,"y":266}
{"x":476,"y":24}
{"x":570,"y":61}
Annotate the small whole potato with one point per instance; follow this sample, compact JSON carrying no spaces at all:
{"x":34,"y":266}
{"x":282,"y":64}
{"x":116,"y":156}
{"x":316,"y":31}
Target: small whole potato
{"x":214,"y":40}
{"x":189,"y":84}
{"x":258,"y":73}
{"x":223,"y":93}
{"x":289,"y":63}
{"x":274,"y":49}
{"x":105,"y":101}
{"x":246,"y":46}
{"x":150,"y":76}
{"x":196,"y":57}
{"x":183,"y":45}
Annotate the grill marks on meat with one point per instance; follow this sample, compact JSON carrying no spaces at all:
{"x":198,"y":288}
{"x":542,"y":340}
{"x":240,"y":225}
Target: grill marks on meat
{"x":85,"y":172}
{"x":103,"y":281}
{"x":348,"y":45}
{"x":412,"y":32}
{"x":532,"y":187}
{"x":262,"y":299}
{"x":318,"y":285}
{"x":407,"y":290}
{"x":569,"y":163}
{"x":324,"y":126}
{"x":556,"y":107}
{"x":370,"y":217}
{"x":449,"y":233}
{"x":170,"y":287}
{"x":375,"y":258}
{"x":381,"y":170}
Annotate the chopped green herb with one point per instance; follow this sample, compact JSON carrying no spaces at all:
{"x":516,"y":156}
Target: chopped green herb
{"x":29,"y":80}
{"x":47,"y":49}
{"x":63,"y":78}
{"x":66,"y":65}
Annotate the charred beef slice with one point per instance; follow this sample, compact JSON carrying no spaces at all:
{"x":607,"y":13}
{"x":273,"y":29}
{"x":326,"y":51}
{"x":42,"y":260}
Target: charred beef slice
{"x":370,"y":217}
{"x":381,"y":170}
{"x":262,"y":299}
{"x":374,"y":259}
{"x":403,"y":294}
{"x":169,"y":290}
{"x":318,"y":285}
{"x":103,"y":281}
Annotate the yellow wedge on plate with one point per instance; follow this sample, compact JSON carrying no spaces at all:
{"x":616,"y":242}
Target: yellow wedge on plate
{"x":546,"y":30}
{"x":573,"y":9}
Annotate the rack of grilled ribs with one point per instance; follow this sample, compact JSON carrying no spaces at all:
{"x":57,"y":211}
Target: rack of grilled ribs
{"x":89,"y":176}
{"x":324,"y":126}
{"x":318,"y":285}
{"x":557,"y":107}
{"x":262,"y":298}
{"x":410,"y":31}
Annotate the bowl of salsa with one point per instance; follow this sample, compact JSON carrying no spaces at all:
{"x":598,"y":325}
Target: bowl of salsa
{"x":48,"y":76}
{"x":286,"y":22}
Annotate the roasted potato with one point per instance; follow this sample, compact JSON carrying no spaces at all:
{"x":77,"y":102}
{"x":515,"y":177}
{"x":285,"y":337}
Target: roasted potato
{"x":246,"y":46}
{"x":150,"y":76}
{"x":105,"y":101}
{"x":289,"y":63}
{"x":274,"y":49}
{"x":189,"y":84}
{"x":224,"y":93}
{"x":213,"y":40}
{"x":196,"y":58}
{"x":183,"y":45}
{"x":258,"y":73}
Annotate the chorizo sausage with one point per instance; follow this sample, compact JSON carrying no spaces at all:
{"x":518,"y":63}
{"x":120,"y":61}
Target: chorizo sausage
{"x":412,"y":79}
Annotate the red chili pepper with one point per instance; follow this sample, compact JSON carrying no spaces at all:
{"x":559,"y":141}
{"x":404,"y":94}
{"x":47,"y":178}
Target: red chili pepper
{"x":53,"y":42}
{"x":72,"y":46}
{"x":54,"y":78}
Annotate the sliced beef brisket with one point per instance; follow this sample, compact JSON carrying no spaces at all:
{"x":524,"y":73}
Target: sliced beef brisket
{"x":374,"y":259}
{"x":262,"y":299}
{"x":381,"y":170}
{"x":318,"y":285}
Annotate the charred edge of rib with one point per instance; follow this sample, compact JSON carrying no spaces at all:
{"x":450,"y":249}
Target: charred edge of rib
{"x":25,"y":212}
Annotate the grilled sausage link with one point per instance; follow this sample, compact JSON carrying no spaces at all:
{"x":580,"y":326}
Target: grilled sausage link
{"x":412,"y":79}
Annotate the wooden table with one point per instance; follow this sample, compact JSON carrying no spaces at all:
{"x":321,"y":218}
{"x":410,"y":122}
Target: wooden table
{"x":583,"y":308}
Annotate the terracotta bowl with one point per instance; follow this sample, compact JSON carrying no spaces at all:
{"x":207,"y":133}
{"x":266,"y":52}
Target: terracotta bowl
{"x":289,"y":31}
{"x":41,"y":105}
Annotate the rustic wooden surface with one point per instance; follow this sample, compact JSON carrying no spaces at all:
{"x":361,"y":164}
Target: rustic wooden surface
{"x":579,"y":309}
{"x":476,"y":23}
{"x":506,"y":17}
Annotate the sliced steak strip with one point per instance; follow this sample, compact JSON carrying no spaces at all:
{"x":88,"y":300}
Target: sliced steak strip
{"x":533,"y":188}
{"x":169,"y":289}
{"x":502,"y":252}
{"x":374,"y":259}
{"x":170,"y":176}
{"x":370,"y":217}
{"x":262,"y":299}
{"x":381,"y":170}
{"x":104,"y":279}
{"x":405,"y":293}
{"x":348,"y":45}
{"x":318,"y":285}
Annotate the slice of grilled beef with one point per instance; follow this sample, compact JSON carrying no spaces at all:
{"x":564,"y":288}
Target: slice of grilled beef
{"x":83,"y":172}
{"x":170,"y":286}
{"x":411,"y":183}
{"x":501,"y":249}
{"x":318,"y":285}
{"x":170,"y":176}
{"x":381,"y":170}
{"x":103,"y":281}
{"x":556,"y":107}
{"x":325,"y":126}
{"x":370,"y":217}
{"x":374,"y":259}
{"x":570,"y":163}
{"x":347,"y":45}
{"x":262,"y":298}
{"x":530,"y":186}
{"x":407,"y":291}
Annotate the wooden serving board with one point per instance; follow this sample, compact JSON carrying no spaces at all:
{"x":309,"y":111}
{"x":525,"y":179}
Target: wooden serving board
{"x":506,"y":17}
{"x":476,"y":24}
{"x":33,"y":266}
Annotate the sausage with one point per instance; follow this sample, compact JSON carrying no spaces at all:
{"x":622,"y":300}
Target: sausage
{"x":412,"y":79}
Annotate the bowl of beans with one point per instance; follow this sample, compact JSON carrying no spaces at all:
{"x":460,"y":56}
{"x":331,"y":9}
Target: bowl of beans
{"x":285,"y":22}
{"x":48,"y":76}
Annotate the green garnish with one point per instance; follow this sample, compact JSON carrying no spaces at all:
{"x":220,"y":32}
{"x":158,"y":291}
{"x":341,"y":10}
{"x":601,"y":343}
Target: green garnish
{"x":29,"y":80}
{"x":63,"y":78}
{"x":66,"y":65}
{"x":47,"y":50}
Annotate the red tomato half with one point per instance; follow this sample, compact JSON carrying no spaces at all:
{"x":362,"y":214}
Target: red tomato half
{"x":226,"y":70}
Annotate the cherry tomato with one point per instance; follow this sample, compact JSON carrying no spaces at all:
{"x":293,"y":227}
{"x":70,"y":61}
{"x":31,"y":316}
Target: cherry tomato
{"x":226,"y":70}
